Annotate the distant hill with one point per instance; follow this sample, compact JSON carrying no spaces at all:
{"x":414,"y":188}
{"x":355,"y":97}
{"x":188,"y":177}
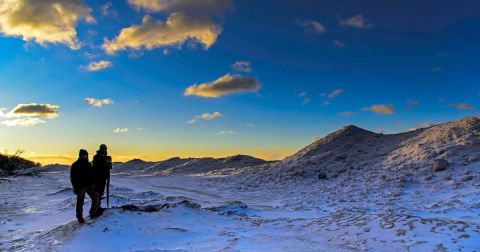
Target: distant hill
{"x":187,"y":166}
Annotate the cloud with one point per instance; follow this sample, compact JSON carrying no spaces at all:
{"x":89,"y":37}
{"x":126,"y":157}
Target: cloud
{"x":33,"y":109}
{"x":463,"y":106}
{"x":311,"y":26}
{"x":178,"y":29}
{"x":242,"y":66}
{"x":338,"y":43}
{"x":224,"y":85}
{"x":46,"y":21}
{"x":107,"y":10}
{"x":192,"y":7}
{"x":357,"y":21}
{"x":120,"y":130}
{"x":306,"y":100}
{"x":303,"y":94}
{"x":335,"y":93}
{"x":205,"y":116}
{"x":249,"y":125}
{"x":98,"y":65}
{"x":24,"y":122}
{"x":437,"y":69}
{"x":2,"y":111}
{"x":226,"y":132}
{"x":384,"y":109}
{"x":98,"y":102}
{"x":346,"y":113}
{"x":412,"y":104}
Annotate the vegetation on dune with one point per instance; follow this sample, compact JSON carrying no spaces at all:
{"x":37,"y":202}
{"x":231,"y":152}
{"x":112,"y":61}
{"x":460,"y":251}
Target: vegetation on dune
{"x":14,"y":164}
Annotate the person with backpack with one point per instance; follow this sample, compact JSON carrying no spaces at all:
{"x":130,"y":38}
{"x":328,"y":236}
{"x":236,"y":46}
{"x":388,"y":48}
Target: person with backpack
{"x":102,"y":164}
{"x":82,"y":178}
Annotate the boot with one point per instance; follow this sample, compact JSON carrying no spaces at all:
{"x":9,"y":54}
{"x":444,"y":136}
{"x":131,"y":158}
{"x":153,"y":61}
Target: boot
{"x":81,"y":220}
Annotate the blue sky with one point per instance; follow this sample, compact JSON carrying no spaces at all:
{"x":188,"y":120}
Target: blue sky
{"x":312,"y":67}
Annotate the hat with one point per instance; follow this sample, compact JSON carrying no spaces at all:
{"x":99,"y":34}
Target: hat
{"x":82,"y":152}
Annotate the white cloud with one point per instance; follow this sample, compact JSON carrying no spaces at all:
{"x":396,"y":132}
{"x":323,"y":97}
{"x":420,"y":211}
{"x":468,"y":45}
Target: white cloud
{"x":33,"y":109}
{"x":120,"y":130}
{"x":178,"y":29}
{"x":385,"y":109}
{"x":357,"y":21}
{"x":98,"y":102}
{"x":249,"y":125}
{"x":311,"y":26}
{"x":224,"y":85}
{"x":242,"y":66}
{"x":98,"y":65}
{"x":205,"y":116}
{"x":226,"y":132}
{"x":193,"y":7}
{"x":24,"y":122}
{"x":46,"y":21}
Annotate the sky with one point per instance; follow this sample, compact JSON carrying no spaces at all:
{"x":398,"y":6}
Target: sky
{"x":155,"y":79}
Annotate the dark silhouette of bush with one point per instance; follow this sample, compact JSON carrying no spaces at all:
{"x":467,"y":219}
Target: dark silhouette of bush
{"x":14,"y":164}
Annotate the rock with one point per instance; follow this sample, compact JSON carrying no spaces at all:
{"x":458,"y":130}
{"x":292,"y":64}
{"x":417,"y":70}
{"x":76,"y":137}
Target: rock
{"x":322,"y":176}
{"x":467,"y":178}
{"x":401,"y":232}
{"x":439,"y":165}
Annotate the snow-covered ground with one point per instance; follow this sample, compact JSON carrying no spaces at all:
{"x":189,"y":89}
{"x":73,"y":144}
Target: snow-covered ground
{"x":353,"y":190}
{"x":217,"y":214}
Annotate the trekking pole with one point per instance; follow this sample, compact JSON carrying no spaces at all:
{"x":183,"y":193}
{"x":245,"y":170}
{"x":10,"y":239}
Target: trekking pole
{"x":108,"y":191}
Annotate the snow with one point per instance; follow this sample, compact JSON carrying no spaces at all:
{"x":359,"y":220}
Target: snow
{"x":380,"y":194}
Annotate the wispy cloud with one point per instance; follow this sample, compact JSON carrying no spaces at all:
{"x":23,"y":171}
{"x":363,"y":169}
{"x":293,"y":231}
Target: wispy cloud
{"x":150,"y":34}
{"x":384,"y":109}
{"x":338,"y":43}
{"x":463,"y":106}
{"x":412,"y":104}
{"x":311,"y":26}
{"x":224,"y":85}
{"x":107,"y":10}
{"x":346,"y":113}
{"x":335,"y":93}
{"x":226,"y":132}
{"x":438,"y":69}
{"x":242,"y":66}
{"x":357,"y":21}
{"x":98,"y":102}
{"x":23,"y":122}
{"x":120,"y":130}
{"x":205,"y":116}
{"x":98,"y":65}
{"x":194,"y":7}
{"x":249,"y":125}
{"x":46,"y":21}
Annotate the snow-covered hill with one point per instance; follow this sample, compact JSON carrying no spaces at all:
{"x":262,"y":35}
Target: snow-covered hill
{"x":355,"y":150}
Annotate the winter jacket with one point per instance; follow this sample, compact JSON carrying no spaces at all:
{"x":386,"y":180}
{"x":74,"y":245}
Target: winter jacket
{"x":101,"y":166}
{"x":81,"y":174}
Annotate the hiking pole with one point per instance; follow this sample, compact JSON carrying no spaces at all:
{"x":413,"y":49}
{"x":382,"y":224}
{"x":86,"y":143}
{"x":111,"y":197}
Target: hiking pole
{"x":108,"y":191}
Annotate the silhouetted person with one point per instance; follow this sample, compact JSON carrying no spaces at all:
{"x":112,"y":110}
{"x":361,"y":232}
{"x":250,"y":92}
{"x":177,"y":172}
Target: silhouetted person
{"x":82,"y":179}
{"x":102,"y":163}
